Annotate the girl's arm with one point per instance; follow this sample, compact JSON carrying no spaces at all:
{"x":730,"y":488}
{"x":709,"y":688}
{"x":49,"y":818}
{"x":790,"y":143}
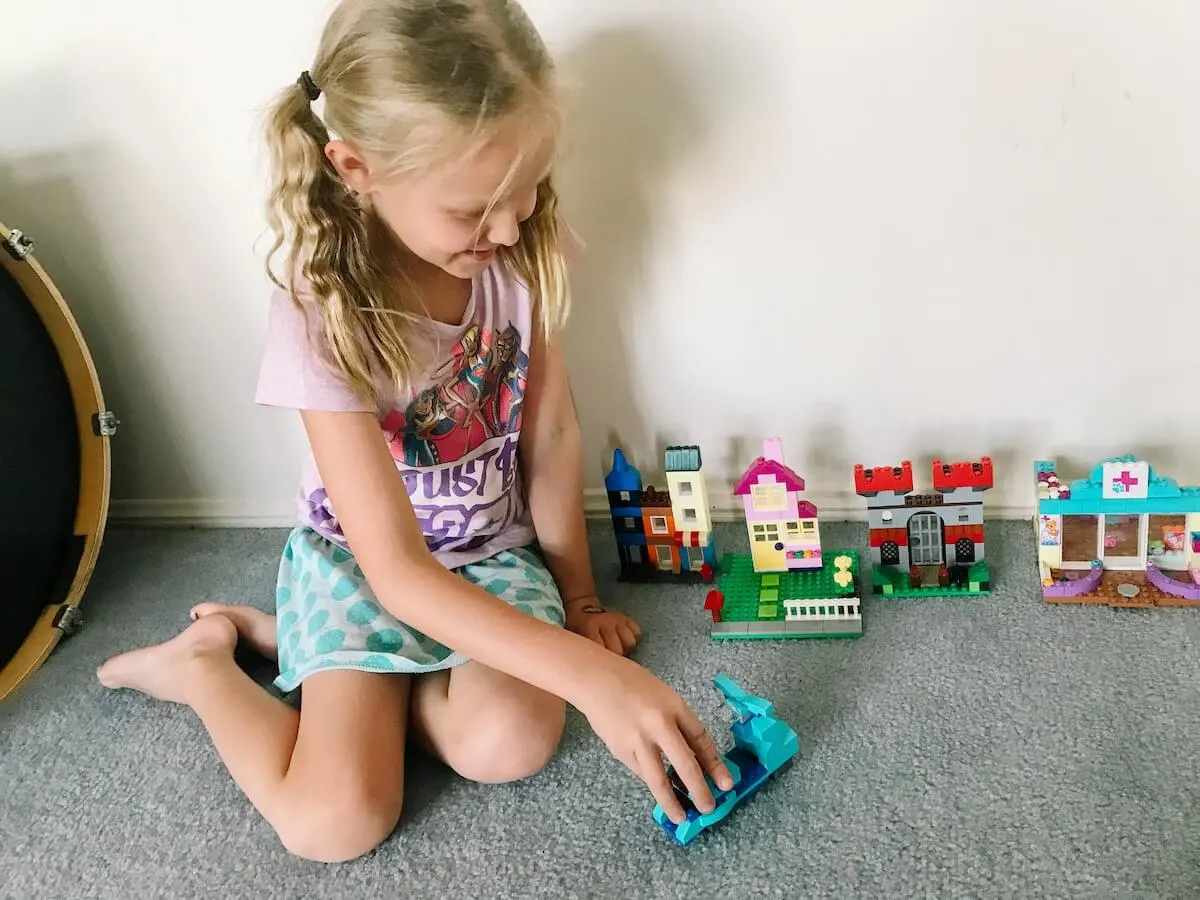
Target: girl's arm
{"x":552,"y":463}
{"x":638,"y":717}
{"x":377,"y":518}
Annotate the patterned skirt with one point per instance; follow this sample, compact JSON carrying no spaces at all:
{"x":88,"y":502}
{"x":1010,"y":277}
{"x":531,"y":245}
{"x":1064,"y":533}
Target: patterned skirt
{"x":327,"y":617}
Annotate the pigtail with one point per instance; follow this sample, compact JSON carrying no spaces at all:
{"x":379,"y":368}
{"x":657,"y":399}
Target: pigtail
{"x":329,"y":241}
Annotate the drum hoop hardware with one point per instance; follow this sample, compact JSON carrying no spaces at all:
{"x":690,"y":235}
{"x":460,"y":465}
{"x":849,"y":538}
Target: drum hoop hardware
{"x":104,"y":424}
{"x":18,"y":244}
{"x":68,"y":620}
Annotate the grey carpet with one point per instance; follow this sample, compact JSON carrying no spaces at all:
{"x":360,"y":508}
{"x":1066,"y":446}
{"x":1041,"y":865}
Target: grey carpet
{"x":990,"y":747}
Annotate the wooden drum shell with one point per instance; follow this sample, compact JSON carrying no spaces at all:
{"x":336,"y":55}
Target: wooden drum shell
{"x":94,"y":425}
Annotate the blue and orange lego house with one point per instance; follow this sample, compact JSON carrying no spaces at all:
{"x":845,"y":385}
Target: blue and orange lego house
{"x":662,"y":534}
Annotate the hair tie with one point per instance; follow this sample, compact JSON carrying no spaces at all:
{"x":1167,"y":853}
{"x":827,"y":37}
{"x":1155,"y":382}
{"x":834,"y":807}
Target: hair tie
{"x":311,"y":91}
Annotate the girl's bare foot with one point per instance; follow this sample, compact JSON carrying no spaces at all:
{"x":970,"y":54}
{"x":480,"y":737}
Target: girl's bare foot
{"x":166,"y":671}
{"x":255,"y":628}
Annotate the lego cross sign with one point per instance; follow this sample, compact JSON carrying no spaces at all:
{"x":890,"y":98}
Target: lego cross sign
{"x":1126,"y":480}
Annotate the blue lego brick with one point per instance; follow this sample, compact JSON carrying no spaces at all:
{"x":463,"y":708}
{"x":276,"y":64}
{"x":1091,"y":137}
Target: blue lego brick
{"x":623,"y":476}
{"x":683,"y":459}
{"x":626,"y":512}
{"x":1087,"y":506}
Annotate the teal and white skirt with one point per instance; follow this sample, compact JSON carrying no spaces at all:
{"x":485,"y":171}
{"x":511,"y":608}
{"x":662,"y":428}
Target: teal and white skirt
{"x":327,"y":617}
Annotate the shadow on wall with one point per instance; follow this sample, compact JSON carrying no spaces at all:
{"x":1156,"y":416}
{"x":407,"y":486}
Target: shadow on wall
{"x":108,"y":232}
{"x":39,"y":195}
{"x":46,"y":196}
{"x":630,"y":121}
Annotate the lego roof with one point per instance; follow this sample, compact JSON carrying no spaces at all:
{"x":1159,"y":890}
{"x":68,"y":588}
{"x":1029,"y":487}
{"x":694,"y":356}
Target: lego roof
{"x":623,"y":476}
{"x":1085,"y":496}
{"x":683,"y":459}
{"x":763,"y":466}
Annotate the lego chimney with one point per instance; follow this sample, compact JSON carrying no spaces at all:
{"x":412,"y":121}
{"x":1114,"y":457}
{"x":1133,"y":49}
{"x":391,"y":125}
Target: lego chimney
{"x":773,"y":450}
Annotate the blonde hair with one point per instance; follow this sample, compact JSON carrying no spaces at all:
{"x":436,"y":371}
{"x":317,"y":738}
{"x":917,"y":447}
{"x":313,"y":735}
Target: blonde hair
{"x":405,"y":80}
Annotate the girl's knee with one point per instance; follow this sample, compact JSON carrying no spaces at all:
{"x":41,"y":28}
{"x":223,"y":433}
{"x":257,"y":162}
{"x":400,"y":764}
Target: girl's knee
{"x":338,"y":829}
{"x":511,"y":743}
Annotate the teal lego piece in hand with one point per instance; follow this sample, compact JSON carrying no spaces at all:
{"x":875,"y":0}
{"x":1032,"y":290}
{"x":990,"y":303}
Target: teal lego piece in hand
{"x":763,"y":744}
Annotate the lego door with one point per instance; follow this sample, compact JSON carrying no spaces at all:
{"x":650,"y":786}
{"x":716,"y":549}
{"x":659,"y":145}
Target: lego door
{"x":767,"y":550}
{"x":1124,"y":542}
{"x":926,"y":540}
{"x":664,"y":558}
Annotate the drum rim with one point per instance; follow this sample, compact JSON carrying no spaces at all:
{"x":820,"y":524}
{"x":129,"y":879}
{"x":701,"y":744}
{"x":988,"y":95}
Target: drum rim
{"x":92,"y":504}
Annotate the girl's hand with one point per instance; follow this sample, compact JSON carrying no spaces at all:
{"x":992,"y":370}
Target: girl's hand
{"x":641,"y":721}
{"x":606,"y":627}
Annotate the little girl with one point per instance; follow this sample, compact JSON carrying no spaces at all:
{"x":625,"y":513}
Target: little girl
{"x":441,"y":548}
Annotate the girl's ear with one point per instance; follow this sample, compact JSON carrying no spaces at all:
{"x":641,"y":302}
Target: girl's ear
{"x":350,"y":165}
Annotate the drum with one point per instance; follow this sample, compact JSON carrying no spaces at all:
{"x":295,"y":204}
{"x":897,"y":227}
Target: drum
{"x":55,"y":465}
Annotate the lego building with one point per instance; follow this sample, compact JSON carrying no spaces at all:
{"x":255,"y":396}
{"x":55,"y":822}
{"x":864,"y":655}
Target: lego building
{"x":662,"y":533}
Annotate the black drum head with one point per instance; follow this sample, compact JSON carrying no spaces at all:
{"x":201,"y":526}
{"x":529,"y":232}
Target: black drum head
{"x":39,"y":470}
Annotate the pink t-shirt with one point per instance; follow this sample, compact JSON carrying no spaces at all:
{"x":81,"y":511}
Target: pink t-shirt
{"x":453,"y":435}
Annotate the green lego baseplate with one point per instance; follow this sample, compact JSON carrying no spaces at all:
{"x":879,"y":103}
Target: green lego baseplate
{"x":891,"y":581}
{"x":755,"y":603}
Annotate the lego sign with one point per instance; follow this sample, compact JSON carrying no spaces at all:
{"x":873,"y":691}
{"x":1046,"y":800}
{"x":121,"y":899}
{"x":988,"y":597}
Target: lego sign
{"x":1126,"y":480}
{"x":1050,"y":531}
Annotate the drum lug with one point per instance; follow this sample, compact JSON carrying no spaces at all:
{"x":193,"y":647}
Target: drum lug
{"x":68,"y":620}
{"x":104,"y":424}
{"x":18,"y":244}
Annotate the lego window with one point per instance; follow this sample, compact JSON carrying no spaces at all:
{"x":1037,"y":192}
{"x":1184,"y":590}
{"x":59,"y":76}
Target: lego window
{"x":658,"y":524}
{"x":697,"y":563}
{"x":1080,"y":539}
{"x":793,"y":530}
{"x":769,"y":496}
{"x":685,"y":489}
{"x":964,"y":515}
{"x":810,"y":527}
{"x":666,"y":560}
{"x":689,"y":515}
{"x":630,"y":522}
{"x":626,"y":495}
{"x":1122,"y":537}
{"x":1166,"y":543}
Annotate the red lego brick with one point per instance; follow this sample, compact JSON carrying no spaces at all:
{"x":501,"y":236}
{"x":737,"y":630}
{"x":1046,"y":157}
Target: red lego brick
{"x":714,"y":603}
{"x":879,"y":536}
{"x":948,"y":476}
{"x":883,"y":478}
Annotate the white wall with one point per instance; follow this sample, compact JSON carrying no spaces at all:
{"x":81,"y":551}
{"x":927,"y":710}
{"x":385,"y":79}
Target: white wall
{"x":961,"y":229}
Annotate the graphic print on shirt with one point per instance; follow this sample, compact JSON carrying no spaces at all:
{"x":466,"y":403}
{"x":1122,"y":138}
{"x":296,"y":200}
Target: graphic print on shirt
{"x":477,"y":395}
{"x":456,"y":443}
